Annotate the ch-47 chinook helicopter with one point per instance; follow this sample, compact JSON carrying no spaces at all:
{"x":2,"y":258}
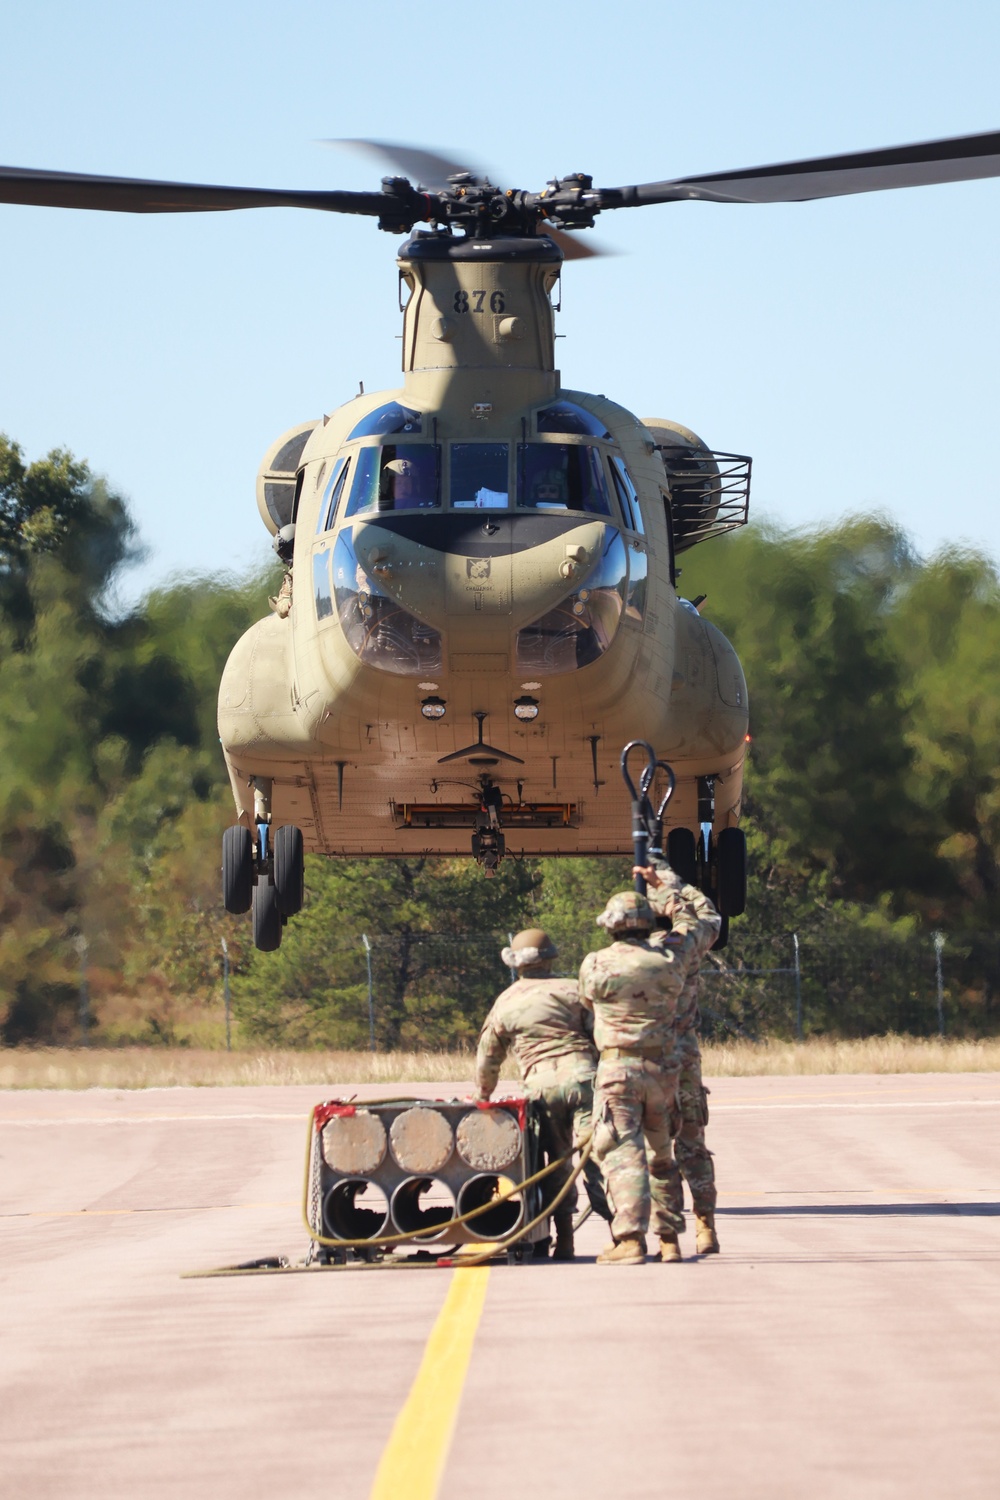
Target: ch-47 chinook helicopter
{"x":480,"y":607}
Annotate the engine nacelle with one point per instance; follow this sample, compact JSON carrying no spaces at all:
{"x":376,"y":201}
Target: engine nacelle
{"x":709,"y":492}
{"x":278,"y":477}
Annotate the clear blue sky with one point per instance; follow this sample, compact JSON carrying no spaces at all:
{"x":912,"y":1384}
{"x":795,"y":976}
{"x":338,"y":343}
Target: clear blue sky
{"x":850,"y":346}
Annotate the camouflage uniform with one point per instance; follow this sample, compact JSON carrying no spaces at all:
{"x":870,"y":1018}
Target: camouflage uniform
{"x":693,"y":1158}
{"x":634,"y":987}
{"x":541,"y":1020}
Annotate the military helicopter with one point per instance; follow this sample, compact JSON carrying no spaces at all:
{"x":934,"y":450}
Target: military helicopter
{"x":480,"y":602}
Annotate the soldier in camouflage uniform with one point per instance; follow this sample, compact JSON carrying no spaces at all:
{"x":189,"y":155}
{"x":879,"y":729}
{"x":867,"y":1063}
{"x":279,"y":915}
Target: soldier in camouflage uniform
{"x":539,"y":1018}
{"x":633,"y":987}
{"x":692,"y":1157}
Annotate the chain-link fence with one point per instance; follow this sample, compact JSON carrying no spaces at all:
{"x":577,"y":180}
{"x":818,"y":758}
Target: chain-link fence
{"x":778,"y":985}
{"x":852,"y":985}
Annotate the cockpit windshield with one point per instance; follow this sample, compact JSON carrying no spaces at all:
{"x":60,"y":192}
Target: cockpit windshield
{"x":396,"y":476}
{"x":479,"y":476}
{"x":562,"y":476}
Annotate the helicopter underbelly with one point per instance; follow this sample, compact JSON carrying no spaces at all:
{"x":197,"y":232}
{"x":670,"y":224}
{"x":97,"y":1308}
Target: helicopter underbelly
{"x":354,"y":764}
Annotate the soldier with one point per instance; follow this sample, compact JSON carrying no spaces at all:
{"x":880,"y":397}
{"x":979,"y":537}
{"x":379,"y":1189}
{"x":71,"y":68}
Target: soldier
{"x":540,"y":1019}
{"x":692,"y":1157}
{"x":633,"y":987}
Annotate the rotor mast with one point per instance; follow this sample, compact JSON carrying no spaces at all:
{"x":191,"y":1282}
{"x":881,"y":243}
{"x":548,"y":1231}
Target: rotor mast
{"x":479,"y":308}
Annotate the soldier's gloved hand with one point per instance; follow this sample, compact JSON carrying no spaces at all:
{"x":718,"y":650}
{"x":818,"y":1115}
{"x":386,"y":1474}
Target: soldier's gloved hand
{"x":649,"y":873}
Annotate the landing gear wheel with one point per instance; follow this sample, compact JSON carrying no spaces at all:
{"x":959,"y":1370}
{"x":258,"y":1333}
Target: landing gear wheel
{"x":731,"y":868}
{"x":682,"y":855}
{"x":289,"y":869}
{"x":266,"y":916}
{"x":237,"y":869}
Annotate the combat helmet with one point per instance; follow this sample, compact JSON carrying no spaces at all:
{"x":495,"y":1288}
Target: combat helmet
{"x":627,"y":911}
{"x":531,"y":947}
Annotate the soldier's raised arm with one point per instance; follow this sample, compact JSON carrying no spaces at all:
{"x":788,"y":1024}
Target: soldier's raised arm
{"x":689,"y":909}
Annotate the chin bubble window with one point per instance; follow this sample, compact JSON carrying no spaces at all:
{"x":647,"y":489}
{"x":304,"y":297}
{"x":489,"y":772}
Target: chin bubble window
{"x":378,"y":630}
{"x":479,"y":478}
{"x":562,"y":476}
{"x":583,"y":625}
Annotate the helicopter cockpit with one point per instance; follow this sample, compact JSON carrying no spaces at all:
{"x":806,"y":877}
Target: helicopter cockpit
{"x":578,"y":474}
{"x":563,"y":485}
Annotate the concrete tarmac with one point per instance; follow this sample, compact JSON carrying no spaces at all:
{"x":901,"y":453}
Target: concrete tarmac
{"x":844,"y":1343}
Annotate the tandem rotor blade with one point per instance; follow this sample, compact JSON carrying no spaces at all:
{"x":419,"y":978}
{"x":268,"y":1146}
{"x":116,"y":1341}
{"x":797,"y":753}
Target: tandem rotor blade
{"x":425,"y":169}
{"x":134,"y":195}
{"x":960,"y":159}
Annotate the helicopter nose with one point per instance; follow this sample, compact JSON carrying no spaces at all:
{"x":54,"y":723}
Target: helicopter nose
{"x":511,"y":565}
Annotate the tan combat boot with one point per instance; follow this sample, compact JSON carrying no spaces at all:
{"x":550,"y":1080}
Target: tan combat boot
{"x":707,"y":1242}
{"x":670,"y":1249}
{"x":630,"y":1250}
{"x":564,"y":1238}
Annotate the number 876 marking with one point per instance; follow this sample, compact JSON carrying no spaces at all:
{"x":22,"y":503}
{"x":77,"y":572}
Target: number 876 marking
{"x":464,"y":305}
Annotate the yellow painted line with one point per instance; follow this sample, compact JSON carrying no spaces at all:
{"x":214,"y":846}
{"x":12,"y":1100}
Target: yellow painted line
{"x":413,"y":1462}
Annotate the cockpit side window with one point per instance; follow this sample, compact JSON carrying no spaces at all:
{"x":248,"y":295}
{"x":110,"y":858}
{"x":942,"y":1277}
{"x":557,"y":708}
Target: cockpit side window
{"x":335,"y":487}
{"x":562,"y":476}
{"x":479,"y":478}
{"x":364,"y":486}
{"x":628,"y":496}
{"x":396,"y":476}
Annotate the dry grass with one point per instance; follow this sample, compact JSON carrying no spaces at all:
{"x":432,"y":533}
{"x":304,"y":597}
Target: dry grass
{"x":190,"y":1067}
{"x":165,"y":1067}
{"x":876,"y":1054}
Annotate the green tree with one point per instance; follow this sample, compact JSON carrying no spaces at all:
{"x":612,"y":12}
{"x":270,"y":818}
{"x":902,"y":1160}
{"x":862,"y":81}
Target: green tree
{"x":433,"y":984}
{"x":109,"y":749}
{"x":570,"y":894}
{"x":829,"y":772}
{"x":945,"y":631}
{"x":57,"y":507}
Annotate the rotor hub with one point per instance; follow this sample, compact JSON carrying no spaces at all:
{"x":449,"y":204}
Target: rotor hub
{"x":474,"y":205}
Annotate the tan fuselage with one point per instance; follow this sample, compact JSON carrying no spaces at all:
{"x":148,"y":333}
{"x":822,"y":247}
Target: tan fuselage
{"x":322,"y":706}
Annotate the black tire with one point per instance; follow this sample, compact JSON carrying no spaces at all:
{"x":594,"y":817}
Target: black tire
{"x":682,"y":855}
{"x":289,"y":869}
{"x":266,"y":916}
{"x":723,"y":937}
{"x":237,"y":869}
{"x":731,"y":871}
